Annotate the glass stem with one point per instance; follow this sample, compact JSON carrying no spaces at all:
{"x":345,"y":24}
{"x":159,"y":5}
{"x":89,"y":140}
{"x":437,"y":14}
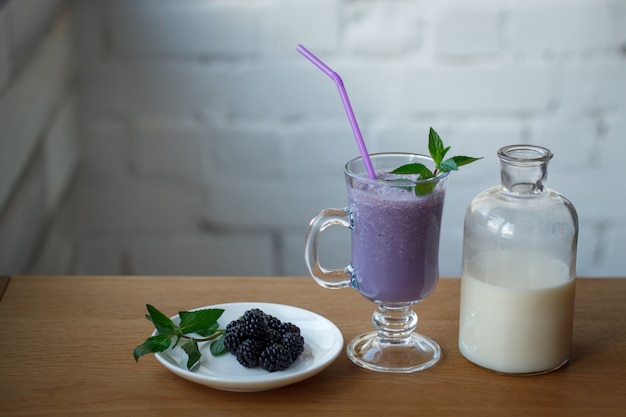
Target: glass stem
{"x":394,"y":323}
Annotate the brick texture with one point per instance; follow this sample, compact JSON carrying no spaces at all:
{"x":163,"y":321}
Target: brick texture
{"x":39,"y":148}
{"x":207,"y":143}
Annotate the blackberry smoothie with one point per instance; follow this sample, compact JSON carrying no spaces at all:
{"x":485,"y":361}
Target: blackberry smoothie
{"x":395,"y":239}
{"x":394,"y":221}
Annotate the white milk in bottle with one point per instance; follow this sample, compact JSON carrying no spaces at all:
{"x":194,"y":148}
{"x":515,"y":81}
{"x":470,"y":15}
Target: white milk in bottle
{"x":516,"y":317}
{"x":519,"y":267}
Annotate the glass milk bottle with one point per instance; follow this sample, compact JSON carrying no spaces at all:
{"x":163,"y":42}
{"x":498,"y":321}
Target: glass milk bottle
{"x":519,"y":267}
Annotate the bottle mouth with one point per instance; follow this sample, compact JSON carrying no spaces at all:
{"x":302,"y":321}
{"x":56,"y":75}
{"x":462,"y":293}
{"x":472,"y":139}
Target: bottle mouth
{"x":524,"y":154}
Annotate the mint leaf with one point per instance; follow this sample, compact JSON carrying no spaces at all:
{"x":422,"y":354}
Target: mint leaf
{"x":217,"y":346}
{"x":412,"y":169}
{"x":424,"y":174}
{"x":425,"y":188}
{"x":191,"y":349}
{"x":448,"y":165}
{"x":435,"y":147}
{"x":437,"y":152}
{"x":162,"y":323}
{"x":464,"y":160}
{"x":198,"y":320}
{"x":153,"y":344}
{"x":201,"y":322}
{"x":210,"y":331}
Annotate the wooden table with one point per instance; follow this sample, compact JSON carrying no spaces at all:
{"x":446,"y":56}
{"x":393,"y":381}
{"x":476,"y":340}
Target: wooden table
{"x":67,"y":346}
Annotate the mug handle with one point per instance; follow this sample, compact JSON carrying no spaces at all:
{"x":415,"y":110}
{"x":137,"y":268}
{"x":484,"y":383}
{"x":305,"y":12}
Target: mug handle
{"x":327,"y":278}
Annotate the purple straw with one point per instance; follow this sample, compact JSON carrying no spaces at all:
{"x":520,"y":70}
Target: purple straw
{"x":346,"y":104}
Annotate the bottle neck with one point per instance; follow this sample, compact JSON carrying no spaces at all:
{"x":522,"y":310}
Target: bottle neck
{"x":524,"y":168}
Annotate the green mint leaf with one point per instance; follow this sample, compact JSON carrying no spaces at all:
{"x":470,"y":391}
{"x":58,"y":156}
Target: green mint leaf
{"x":162,"y":323}
{"x":210,"y":331}
{"x":412,"y":169}
{"x":191,"y":349}
{"x":435,"y":147}
{"x":464,"y":160}
{"x":445,"y":151}
{"x":424,"y":174}
{"x":437,"y":152}
{"x":425,"y":188}
{"x":217,"y":346}
{"x":448,"y":165}
{"x":153,"y":344}
{"x":199,"y":320}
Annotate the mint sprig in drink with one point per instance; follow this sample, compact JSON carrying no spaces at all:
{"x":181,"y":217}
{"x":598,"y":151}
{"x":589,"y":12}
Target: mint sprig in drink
{"x":437,"y":152}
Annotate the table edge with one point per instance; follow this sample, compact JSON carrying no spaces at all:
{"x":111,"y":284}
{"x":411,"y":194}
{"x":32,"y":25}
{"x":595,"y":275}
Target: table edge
{"x":4,"y":283}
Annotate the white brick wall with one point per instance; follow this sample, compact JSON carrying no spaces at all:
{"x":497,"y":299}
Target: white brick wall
{"x":209,"y":142}
{"x":36,"y":91}
{"x":138,"y":31}
{"x":549,"y":27}
{"x":477,"y":32}
{"x":38,"y":143}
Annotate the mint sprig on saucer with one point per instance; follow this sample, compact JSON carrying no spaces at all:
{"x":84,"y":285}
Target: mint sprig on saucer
{"x":437,"y":152}
{"x":202,"y":323}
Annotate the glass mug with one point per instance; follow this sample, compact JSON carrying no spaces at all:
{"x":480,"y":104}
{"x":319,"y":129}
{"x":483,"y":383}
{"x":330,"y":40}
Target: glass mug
{"x":395,"y":247}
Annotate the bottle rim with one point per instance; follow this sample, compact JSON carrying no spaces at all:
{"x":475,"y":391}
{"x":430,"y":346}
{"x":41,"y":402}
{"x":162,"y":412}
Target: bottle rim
{"x":524,"y":153}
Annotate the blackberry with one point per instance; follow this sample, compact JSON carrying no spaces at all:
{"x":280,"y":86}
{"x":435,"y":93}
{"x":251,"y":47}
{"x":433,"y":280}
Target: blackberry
{"x":254,"y":324}
{"x":257,"y":338}
{"x":287,"y":327}
{"x":249,"y":352}
{"x":273,"y":323}
{"x":235,"y":335}
{"x":275,"y":358}
{"x":294,"y":343}
{"x":273,"y":336}
{"x":254,"y":314}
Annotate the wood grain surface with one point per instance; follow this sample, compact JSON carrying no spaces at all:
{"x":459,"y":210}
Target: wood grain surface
{"x":67,"y":346}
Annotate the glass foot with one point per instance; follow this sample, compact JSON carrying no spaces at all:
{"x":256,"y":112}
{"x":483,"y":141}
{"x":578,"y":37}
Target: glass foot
{"x":394,"y":347}
{"x":413,"y":354}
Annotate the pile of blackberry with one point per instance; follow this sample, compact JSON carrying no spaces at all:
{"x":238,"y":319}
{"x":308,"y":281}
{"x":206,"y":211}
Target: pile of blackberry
{"x":260,"y":339}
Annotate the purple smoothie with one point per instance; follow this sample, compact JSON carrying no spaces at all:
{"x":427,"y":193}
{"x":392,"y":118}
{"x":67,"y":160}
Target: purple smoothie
{"x":395,"y":241}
